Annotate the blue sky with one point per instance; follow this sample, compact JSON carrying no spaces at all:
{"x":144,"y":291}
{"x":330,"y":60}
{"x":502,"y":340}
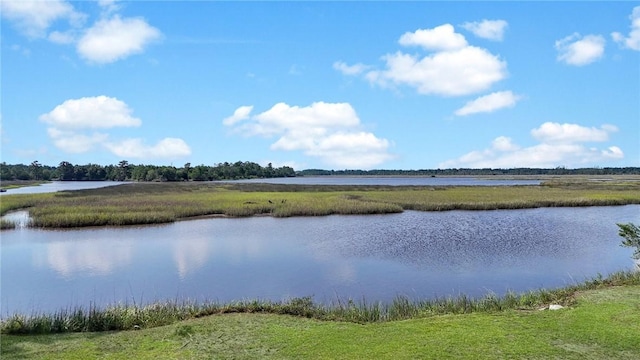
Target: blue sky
{"x":332,"y":85}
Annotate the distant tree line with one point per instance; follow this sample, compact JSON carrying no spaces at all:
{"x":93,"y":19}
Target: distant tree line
{"x":476,"y":172}
{"x":124,"y":171}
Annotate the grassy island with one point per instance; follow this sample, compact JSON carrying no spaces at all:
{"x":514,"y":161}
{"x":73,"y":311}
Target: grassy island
{"x":150,"y":203}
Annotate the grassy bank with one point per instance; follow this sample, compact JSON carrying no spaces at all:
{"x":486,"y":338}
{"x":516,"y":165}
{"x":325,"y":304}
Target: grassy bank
{"x":129,"y":317}
{"x":148,"y":203}
{"x":600,"y":321}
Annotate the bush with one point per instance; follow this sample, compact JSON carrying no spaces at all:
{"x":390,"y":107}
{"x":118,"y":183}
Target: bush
{"x":631,"y":234}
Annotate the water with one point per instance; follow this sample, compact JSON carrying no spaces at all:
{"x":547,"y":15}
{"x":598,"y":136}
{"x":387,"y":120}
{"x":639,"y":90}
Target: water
{"x":418,"y":254}
{"x":55,"y":186}
{"x":393,"y":181}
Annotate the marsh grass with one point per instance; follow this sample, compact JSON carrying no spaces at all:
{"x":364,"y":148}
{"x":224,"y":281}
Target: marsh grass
{"x":129,"y":317}
{"x":152,"y":203}
{"x":6,"y":224}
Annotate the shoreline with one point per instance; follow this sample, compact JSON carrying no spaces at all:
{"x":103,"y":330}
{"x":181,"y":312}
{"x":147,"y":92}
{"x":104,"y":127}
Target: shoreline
{"x":344,"y":310}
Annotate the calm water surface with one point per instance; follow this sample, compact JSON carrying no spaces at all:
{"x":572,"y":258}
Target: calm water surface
{"x":393,"y":181}
{"x":55,"y":186}
{"x":418,"y":254}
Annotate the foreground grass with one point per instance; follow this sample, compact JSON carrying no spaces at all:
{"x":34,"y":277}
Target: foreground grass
{"x":123,"y":317}
{"x":149,"y":203}
{"x":601,"y":324}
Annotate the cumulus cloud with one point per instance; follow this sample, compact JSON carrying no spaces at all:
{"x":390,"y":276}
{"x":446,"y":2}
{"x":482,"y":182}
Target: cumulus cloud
{"x":113,"y":39}
{"x":240,"y":114}
{"x":329,"y":131}
{"x":110,"y":39}
{"x":91,"y":112}
{"x":487,"y":29}
{"x":442,"y":37}
{"x":503,"y":143}
{"x":632,"y":41}
{"x":554,"y":133}
{"x":354,"y":69}
{"x":450,"y":73}
{"x":73,"y":125}
{"x":167,"y":148}
{"x":559,"y":145}
{"x":489,"y":103}
{"x":577,"y":50}
{"x":451,"y":67}
{"x":74,"y":142}
{"x":33,"y":18}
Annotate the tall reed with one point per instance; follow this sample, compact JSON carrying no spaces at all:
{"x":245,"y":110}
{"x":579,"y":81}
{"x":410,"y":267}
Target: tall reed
{"x":6,"y":224}
{"x":129,"y":317}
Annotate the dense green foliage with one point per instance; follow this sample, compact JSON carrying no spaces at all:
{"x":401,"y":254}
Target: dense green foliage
{"x":124,"y":171}
{"x":248,"y":170}
{"x":631,"y":234}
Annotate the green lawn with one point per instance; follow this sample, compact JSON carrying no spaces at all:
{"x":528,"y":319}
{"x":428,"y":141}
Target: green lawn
{"x":603,"y":324}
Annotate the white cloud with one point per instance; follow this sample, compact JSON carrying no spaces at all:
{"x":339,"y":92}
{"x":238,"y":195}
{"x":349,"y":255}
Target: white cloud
{"x":113,"y":39}
{"x":487,"y":29}
{"x":555,"y":133}
{"x":33,"y":18}
{"x":241,"y":113}
{"x":560,"y":145}
{"x":63,"y":38}
{"x":73,"y":122}
{"x":109,"y":6}
{"x":168,"y":148}
{"x":442,"y":37}
{"x":91,"y":112}
{"x":110,"y":39}
{"x":503,"y":143}
{"x":74,"y":142}
{"x":354,"y":69}
{"x":329,"y":131}
{"x":319,"y":115}
{"x":453,"y":68}
{"x":351,"y":150}
{"x":579,"y":51}
{"x":489,"y":103}
{"x":451,"y":73}
{"x":633,"y":40}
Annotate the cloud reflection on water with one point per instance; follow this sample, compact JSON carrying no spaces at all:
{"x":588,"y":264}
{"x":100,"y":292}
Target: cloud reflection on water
{"x":91,"y":257}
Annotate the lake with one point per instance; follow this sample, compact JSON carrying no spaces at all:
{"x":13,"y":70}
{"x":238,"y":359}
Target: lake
{"x":376,"y":257}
